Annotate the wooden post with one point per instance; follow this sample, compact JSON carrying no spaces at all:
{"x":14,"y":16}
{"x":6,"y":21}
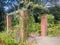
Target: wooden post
{"x":8,"y":19}
{"x":44,"y":25}
{"x":23,"y":24}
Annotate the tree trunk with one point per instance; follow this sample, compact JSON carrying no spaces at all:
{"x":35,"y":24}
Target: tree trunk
{"x":23,"y":24}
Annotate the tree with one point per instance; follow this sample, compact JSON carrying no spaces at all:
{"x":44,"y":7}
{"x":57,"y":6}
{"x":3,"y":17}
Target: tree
{"x":2,"y":21}
{"x":55,"y":11}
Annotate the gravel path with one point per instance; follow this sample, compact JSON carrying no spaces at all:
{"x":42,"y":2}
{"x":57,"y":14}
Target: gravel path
{"x":45,"y":40}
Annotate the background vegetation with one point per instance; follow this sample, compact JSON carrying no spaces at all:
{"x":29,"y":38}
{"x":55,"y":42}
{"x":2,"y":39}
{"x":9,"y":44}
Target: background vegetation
{"x":35,"y":11}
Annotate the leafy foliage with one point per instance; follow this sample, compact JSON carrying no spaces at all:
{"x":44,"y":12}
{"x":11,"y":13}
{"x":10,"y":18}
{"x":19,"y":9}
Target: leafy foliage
{"x":40,"y":9}
{"x":35,"y":11}
{"x":15,"y":20}
{"x":2,"y":21}
{"x":6,"y":39}
{"x":56,"y":13}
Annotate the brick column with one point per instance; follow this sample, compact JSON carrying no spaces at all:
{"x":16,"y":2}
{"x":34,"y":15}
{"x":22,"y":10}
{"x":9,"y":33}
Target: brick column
{"x":44,"y":25}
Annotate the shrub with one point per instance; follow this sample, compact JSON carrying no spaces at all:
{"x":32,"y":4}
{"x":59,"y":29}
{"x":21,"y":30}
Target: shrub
{"x":6,"y":39}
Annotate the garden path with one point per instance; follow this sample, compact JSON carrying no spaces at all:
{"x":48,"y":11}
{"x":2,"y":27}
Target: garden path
{"x":45,"y":40}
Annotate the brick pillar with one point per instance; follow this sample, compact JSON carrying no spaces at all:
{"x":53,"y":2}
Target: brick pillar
{"x":8,"y":18}
{"x":44,"y":25}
